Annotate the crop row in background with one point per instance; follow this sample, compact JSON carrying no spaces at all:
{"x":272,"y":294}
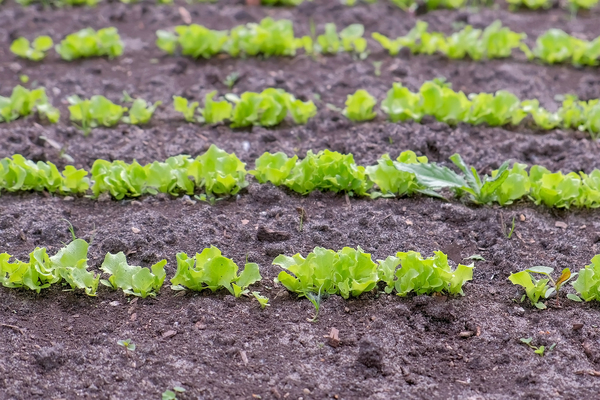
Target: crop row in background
{"x":276,"y":38}
{"x":271,"y":106}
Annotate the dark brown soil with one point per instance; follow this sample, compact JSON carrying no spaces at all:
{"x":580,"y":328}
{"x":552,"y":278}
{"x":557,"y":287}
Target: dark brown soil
{"x":63,"y":345}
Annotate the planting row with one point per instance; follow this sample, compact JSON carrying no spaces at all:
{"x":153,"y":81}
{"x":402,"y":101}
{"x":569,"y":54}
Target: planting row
{"x":276,"y":38}
{"x":270,"y":107}
{"x":218,"y":173}
{"x":347,"y":272}
{"x":407,"y":5}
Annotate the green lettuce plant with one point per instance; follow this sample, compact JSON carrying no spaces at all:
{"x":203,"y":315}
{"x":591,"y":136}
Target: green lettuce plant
{"x":70,"y":264}
{"x":538,"y":290}
{"x":423,"y":275}
{"x":23,"y":102}
{"x":97,"y":111}
{"x":35,"y":51}
{"x":89,"y":43}
{"x":19,"y":174}
{"x":347,"y":272}
{"x":215,"y":111}
{"x":556,"y":46}
{"x":211,"y":270}
{"x":587,"y":284}
{"x":328,"y":171}
{"x":359,"y":106}
{"x":274,"y":168}
{"x":141,"y":112}
{"x":530,"y":4}
{"x":133,"y":280}
{"x":37,"y":274}
{"x":219,"y":172}
{"x":495,"y":41}
{"x":195,"y":41}
{"x":554,"y":189}
{"x":350,"y":39}
{"x":394,"y":182}
{"x":183,"y":105}
{"x":122,"y":179}
{"x":268,"y":108}
{"x":269,"y":38}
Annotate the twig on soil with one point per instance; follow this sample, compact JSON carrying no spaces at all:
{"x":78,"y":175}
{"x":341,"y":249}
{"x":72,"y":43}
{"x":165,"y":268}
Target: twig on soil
{"x":590,"y":372}
{"x":16,"y":328}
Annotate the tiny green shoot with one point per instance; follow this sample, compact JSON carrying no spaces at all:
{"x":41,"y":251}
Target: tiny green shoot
{"x":171,"y":395}
{"x":537,"y":350}
{"x":127,"y":345}
{"x":377,"y":66}
{"x":231,"y":79}
{"x":315,"y":299}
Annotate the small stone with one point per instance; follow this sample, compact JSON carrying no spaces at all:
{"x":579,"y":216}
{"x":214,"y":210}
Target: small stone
{"x":68,"y":198}
{"x":522,"y":218}
{"x":577,"y":326}
{"x":169,"y":334}
{"x":135,"y":230}
{"x":14,"y":67}
{"x":136,"y":203}
{"x":466,"y":334}
{"x":306,"y":391}
{"x":114,"y":303}
{"x":560,"y":224}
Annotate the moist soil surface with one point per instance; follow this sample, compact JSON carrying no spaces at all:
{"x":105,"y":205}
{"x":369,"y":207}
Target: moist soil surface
{"x":63,"y":345}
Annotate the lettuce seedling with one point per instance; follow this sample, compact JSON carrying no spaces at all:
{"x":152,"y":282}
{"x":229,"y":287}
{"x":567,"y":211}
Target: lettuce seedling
{"x":121,"y":179}
{"x":195,"y":40}
{"x":329,"y":42}
{"x":37,"y":274}
{"x":262,"y":300}
{"x":215,"y":111}
{"x":291,"y":3}
{"x":89,"y":43}
{"x":575,"y":5}
{"x":536,"y":289}
{"x":530,"y":4}
{"x":401,"y":104}
{"x":20,"y":174}
{"x":328,"y":170}
{"x":392,"y":181}
{"x":587,"y":283}
{"x":515,"y":186}
{"x":133,"y":280}
{"x":537,"y":350}
{"x":70,"y":263}
{"x":301,"y":111}
{"x":211,"y":270}
{"x":36,"y":51}
{"x":542,"y":117}
{"x":219,"y":172}
{"x":555,"y":189}
{"x":268,"y":108}
{"x":423,"y":275}
{"x":269,"y":37}
{"x":348,"y":272}
{"x":140,"y":112}
{"x":274,"y":168}
{"x":97,"y":111}
{"x":359,"y":106}
{"x":496,"y":109}
{"x":188,"y":109}
{"x":23,"y":102}
{"x":349,"y":39}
